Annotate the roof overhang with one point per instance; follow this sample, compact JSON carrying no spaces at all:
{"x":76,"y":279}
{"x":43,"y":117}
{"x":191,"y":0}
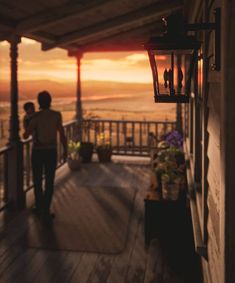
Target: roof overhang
{"x":86,"y":26}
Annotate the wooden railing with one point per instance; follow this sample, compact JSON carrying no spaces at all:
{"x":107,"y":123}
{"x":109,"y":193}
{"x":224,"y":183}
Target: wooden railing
{"x":4,"y":176}
{"x":69,"y":129}
{"x":126,"y":137}
{"x":3,"y":127}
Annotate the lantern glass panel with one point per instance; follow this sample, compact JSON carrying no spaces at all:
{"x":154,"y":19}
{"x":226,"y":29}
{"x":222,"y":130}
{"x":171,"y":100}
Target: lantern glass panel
{"x":171,"y":77}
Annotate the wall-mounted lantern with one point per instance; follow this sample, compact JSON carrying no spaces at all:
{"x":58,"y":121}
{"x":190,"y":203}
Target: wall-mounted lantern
{"x":168,"y":51}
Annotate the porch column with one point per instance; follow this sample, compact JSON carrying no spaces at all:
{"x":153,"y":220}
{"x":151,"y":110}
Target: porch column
{"x":15,"y":194}
{"x":79,"y":101}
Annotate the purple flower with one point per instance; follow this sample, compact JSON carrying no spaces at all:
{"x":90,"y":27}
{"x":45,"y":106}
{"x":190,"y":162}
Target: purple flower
{"x":174,"y":139}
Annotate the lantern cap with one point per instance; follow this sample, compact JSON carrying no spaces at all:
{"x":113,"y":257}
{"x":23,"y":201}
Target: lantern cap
{"x":174,"y":37}
{"x":170,"y":42}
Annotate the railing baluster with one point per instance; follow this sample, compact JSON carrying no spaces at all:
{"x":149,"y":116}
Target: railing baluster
{"x":110,"y":131}
{"x":4,"y":176}
{"x":118,"y":137}
{"x":28,"y":161}
{"x":165,"y":128}
{"x":95,"y":132}
{"x":156,"y":132}
{"x":133,"y":137}
{"x":88,"y":130}
{"x":5,"y":181}
{"x":148,"y":131}
{"x":140,"y":133}
{"x":124,"y":132}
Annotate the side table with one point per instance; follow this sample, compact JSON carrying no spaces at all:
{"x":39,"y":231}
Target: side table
{"x":162,"y":216}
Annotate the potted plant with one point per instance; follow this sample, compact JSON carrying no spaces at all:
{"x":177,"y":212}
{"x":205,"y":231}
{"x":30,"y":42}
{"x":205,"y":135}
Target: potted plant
{"x":74,"y":161}
{"x":86,"y":151}
{"x":104,"y":148}
{"x":170,"y":185}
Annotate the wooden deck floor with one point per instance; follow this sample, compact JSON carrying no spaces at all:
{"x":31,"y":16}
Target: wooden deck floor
{"x":135,"y":264}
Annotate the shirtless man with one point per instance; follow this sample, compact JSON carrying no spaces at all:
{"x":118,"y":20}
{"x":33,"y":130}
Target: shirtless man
{"x":44,"y":125}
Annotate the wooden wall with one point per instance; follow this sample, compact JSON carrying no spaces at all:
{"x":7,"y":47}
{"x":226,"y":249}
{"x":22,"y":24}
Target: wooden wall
{"x":211,"y":130}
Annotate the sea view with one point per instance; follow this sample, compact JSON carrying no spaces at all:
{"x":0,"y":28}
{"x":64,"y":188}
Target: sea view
{"x":119,"y":101}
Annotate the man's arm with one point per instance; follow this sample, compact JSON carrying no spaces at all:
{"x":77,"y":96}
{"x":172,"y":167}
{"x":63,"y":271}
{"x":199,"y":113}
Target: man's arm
{"x":63,"y":140}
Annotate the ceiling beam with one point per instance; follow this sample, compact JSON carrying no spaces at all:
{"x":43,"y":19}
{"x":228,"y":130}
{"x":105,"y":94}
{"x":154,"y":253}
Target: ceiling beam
{"x":137,"y":36}
{"x":56,"y":16}
{"x":119,"y":42}
{"x":114,"y":47}
{"x":110,"y":47}
{"x":126,"y":21}
{"x":42,"y":37}
{"x":7,"y":24}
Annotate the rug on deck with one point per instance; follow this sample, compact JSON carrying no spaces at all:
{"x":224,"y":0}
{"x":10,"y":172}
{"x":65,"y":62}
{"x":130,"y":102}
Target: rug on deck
{"x":88,"y":219}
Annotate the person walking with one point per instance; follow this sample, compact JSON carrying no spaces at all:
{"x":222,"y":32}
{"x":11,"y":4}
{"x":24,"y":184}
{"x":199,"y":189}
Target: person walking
{"x":44,"y":125}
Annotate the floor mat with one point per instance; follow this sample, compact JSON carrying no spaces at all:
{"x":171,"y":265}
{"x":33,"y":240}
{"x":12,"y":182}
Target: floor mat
{"x":89,"y":219}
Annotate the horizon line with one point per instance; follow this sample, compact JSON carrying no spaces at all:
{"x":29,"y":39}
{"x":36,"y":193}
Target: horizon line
{"x":85,"y":80}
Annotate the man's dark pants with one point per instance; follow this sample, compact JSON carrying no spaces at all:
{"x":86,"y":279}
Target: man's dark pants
{"x":43,"y":161}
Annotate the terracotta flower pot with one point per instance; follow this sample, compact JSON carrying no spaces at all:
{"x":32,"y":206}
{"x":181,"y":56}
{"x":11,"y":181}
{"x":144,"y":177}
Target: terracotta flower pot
{"x":104,"y":153}
{"x":86,"y":151}
{"x":170,"y":191}
{"x":74,"y":164}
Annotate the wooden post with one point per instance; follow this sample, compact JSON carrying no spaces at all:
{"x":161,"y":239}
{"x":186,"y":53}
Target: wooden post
{"x":16,"y":195}
{"x":79,"y":101}
{"x":79,"y":117}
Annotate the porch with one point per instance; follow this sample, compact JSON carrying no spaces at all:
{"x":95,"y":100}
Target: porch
{"x":163,"y":261}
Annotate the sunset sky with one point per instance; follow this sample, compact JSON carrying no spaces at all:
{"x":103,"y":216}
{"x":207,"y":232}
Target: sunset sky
{"x":35,"y":64}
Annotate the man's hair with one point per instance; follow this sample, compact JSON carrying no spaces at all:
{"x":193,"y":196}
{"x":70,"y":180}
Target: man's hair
{"x":44,"y":99}
{"x":28,"y":105}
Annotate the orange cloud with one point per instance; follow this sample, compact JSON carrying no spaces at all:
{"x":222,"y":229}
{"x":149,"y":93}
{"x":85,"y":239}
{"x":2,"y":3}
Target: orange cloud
{"x":56,"y":65}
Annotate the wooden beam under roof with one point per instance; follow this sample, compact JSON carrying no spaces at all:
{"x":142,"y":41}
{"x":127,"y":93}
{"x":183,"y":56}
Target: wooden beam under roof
{"x":131,"y":40}
{"x":41,"y":37}
{"x":128,"y":21}
{"x":128,"y":41}
{"x":110,"y":47}
{"x":56,"y":16}
{"x":6,"y":24}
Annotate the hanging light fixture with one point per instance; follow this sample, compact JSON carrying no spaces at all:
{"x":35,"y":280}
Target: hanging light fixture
{"x":168,"y":52}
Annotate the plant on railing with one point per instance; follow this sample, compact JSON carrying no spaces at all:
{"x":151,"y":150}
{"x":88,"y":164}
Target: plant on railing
{"x":104,"y":147}
{"x":74,"y":161}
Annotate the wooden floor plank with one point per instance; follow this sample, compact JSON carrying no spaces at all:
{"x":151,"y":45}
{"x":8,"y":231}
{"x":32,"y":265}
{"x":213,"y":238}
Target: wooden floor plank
{"x":11,"y":255}
{"x":68,"y":268}
{"x":85,"y":268}
{"x":102,"y":269}
{"x":137,"y":266}
{"x":154,"y":267}
{"x":34,"y":266}
{"x":123,"y":263}
{"x":49,"y":268}
{"x":21,"y":264}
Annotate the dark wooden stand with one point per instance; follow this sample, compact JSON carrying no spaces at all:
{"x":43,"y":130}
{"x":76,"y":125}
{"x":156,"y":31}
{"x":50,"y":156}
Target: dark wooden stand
{"x":162,"y":216}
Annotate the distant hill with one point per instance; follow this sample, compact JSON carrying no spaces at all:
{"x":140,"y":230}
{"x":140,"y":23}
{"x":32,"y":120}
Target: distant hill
{"x":29,"y":89}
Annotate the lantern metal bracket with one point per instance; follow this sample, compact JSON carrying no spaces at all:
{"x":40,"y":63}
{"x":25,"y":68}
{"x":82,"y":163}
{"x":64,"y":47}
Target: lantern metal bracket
{"x":217,"y":38}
